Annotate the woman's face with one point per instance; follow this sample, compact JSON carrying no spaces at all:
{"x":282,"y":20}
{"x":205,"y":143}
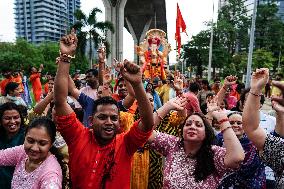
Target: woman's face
{"x":11,"y":121}
{"x":37,"y":144}
{"x":194,"y":129}
{"x":236,"y":122}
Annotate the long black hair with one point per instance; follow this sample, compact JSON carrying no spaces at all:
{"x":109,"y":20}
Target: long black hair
{"x":5,"y":107}
{"x":50,"y":127}
{"x":204,"y":156}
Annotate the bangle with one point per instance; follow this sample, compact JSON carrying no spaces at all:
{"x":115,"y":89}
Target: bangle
{"x":160,"y":117}
{"x":223,"y":121}
{"x":65,"y":59}
{"x":66,"y":55}
{"x":223,"y":130}
{"x":254,"y":94}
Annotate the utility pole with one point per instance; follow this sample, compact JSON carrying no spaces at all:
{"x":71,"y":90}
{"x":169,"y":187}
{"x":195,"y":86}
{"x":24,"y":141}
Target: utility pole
{"x":251,"y":44}
{"x":210,"y":48}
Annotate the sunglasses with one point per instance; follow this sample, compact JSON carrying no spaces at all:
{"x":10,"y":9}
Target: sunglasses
{"x":236,"y":122}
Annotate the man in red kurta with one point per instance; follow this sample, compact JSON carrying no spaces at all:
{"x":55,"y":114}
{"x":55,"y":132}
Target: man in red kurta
{"x":35,"y":81}
{"x":99,"y":157}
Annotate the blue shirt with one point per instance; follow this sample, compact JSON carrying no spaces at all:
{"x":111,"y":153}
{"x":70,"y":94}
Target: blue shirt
{"x":251,"y":173}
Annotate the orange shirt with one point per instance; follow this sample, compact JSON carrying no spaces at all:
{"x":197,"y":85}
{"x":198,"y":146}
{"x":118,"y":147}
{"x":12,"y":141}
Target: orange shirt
{"x":88,"y":159}
{"x":35,"y":81}
{"x":19,"y":80}
{"x":3,"y":84}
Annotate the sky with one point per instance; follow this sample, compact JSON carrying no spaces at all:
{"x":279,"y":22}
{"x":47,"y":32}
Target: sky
{"x":194,"y":12}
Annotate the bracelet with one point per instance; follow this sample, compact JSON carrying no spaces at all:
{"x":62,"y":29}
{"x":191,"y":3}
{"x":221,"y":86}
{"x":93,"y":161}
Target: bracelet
{"x":223,"y":130}
{"x":254,"y":94}
{"x":65,"y":59}
{"x":66,"y":55}
{"x":160,"y":117}
{"x":223,"y":121}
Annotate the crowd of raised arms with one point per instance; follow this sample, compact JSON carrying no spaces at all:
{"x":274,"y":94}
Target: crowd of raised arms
{"x":131,"y":132}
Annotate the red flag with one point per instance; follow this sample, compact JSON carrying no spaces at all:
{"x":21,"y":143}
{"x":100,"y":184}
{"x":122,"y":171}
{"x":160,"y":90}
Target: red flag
{"x":180,"y":24}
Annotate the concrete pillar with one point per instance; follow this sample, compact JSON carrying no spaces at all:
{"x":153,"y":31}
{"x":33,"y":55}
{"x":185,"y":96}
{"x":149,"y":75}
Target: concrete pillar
{"x":134,"y":36}
{"x":114,"y":12}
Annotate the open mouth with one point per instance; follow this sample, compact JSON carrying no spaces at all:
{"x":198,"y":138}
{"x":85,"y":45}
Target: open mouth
{"x":12,"y":127}
{"x":109,"y":130}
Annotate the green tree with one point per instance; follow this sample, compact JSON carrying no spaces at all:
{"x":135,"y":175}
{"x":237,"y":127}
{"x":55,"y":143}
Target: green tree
{"x":233,"y":24}
{"x":88,"y":31}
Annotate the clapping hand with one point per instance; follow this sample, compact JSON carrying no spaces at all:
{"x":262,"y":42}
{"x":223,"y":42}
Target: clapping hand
{"x":178,"y":82}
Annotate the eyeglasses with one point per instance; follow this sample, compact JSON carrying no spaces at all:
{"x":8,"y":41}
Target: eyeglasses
{"x":236,"y":122}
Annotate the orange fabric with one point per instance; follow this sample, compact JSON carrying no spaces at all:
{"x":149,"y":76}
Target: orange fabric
{"x":3,"y":84}
{"x":19,"y":80}
{"x":36,"y":85}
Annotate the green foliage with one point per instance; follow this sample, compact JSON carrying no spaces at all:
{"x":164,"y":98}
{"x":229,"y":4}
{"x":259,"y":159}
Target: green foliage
{"x":89,"y":32}
{"x":23,"y":55}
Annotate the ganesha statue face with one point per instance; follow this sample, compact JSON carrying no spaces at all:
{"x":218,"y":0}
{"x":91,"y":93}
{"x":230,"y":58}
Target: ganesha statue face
{"x":153,"y":53}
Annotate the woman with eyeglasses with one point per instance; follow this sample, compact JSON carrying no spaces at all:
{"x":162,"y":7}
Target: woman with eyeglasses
{"x":251,"y":173}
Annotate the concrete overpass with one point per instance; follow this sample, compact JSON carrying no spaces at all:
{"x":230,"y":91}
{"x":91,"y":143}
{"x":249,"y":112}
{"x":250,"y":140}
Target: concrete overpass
{"x":137,"y":16}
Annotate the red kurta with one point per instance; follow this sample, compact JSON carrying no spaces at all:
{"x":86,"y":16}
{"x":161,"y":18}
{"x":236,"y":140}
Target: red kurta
{"x":88,"y":159}
{"x":3,"y":84}
{"x":36,"y":85}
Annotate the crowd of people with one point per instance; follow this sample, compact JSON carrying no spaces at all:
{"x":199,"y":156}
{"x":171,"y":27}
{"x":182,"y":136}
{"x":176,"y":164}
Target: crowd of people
{"x":134,"y":132}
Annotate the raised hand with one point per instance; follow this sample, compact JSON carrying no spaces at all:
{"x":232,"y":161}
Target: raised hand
{"x":178,"y":82}
{"x":101,"y":54}
{"x":107,"y":75}
{"x":131,"y":72}
{"x":117,"y":65}
{"x":230,"y":80}
{"x":213,"y":105}
{"x":68,"y":43}
{"x":259,"y":78}
{"x":278,"y":101}
{"x":177,"y":103}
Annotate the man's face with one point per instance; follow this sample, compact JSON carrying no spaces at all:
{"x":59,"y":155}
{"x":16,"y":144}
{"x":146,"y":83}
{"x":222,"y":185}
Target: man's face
{"x":122,"y":91}
{"x":91,"y":79}
{"x":217,"y":83}
{"x":106,"y":123}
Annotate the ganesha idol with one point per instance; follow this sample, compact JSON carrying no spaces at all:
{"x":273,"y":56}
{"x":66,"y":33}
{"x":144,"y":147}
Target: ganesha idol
{"x":153,"y":53}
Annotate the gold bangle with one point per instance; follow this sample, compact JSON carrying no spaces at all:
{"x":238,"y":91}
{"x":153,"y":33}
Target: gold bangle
{"x":66,"y":55}
{"x":160,"y":117}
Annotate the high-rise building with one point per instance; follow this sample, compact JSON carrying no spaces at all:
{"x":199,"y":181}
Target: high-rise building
{"x":44,"y":20}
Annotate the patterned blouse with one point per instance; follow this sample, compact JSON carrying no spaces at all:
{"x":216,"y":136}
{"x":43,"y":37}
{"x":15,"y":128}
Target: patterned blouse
{"x":273,"y":156}
{"x":47,"y":176}
{"x":251,"y":173}
{"x":179,"y":169}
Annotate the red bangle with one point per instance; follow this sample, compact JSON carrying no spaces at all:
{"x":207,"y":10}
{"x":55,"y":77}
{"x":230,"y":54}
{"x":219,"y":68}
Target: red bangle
{"x":223,"y":120}
{"x":223,"y":130}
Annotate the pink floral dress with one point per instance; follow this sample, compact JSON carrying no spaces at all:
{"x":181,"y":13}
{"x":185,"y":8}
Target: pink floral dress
{"x":178,"y":168}
{"x":47,"y":176}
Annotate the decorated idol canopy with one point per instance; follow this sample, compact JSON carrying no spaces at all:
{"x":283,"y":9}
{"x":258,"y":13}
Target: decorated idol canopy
{"x":153,"y":53}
